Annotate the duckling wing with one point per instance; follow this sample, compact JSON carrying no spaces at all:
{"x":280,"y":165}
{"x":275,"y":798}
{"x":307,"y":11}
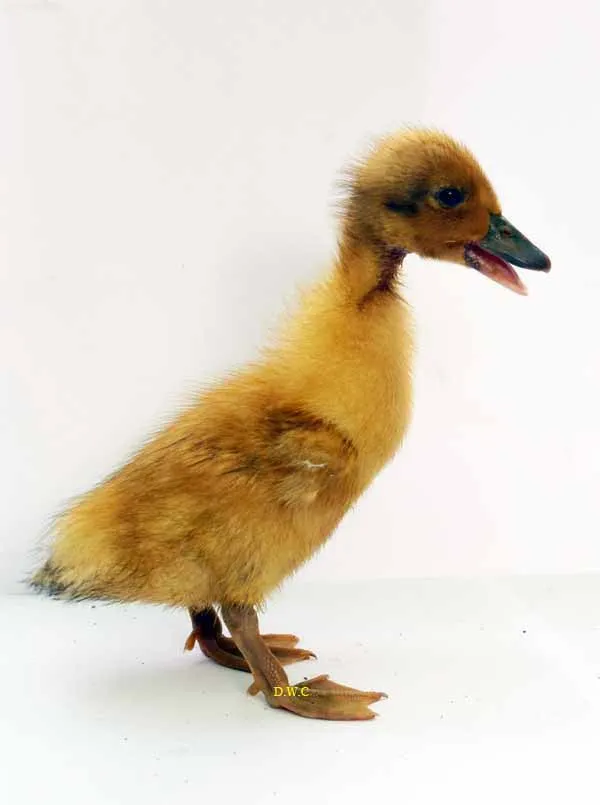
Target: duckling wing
{"x":305,"y":456}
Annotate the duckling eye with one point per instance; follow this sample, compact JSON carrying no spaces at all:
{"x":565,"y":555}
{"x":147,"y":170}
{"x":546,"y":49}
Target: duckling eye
{"x":449,"y":197}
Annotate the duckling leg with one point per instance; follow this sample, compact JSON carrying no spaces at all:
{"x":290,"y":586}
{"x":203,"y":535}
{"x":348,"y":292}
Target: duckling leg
{"x":315,"y":698}
{"x":208,"y":633}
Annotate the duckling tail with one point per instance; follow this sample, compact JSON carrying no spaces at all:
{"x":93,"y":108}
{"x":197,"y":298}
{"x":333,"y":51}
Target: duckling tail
{"x":47,"y":580}
{"x":50,"y":580}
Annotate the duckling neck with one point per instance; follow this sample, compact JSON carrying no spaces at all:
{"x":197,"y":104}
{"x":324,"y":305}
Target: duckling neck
{"x":350,"y":348}
{"x":369,"y":270}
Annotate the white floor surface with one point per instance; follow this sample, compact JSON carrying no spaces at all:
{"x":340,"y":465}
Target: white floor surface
{"x":494,"y":696}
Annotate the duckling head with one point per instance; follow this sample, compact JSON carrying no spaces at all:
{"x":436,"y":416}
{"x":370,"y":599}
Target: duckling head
{"x":421,"y":191}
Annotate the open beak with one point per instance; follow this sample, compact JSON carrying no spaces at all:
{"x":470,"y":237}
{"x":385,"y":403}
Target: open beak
{"x":503,"y":245}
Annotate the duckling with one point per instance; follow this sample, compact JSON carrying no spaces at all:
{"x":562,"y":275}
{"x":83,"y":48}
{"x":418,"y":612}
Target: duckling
{"x":245,"y":485}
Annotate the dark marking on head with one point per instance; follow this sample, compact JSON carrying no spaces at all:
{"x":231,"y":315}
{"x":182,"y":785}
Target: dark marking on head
{"x":407,"y":204}
{"x":408,"y":208}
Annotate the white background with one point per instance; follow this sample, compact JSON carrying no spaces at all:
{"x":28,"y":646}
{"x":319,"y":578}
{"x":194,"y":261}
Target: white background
{"x":166,"y":175}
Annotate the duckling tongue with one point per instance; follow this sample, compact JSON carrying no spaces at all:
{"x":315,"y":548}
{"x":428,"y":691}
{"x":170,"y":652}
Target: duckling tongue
{"x":494,"y":267}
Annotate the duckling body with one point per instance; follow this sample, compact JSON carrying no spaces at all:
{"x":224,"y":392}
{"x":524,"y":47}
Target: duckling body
{"x":245,"y":485}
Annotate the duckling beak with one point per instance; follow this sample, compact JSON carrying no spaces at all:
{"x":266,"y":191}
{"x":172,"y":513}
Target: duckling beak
{"x":504,"y":244}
